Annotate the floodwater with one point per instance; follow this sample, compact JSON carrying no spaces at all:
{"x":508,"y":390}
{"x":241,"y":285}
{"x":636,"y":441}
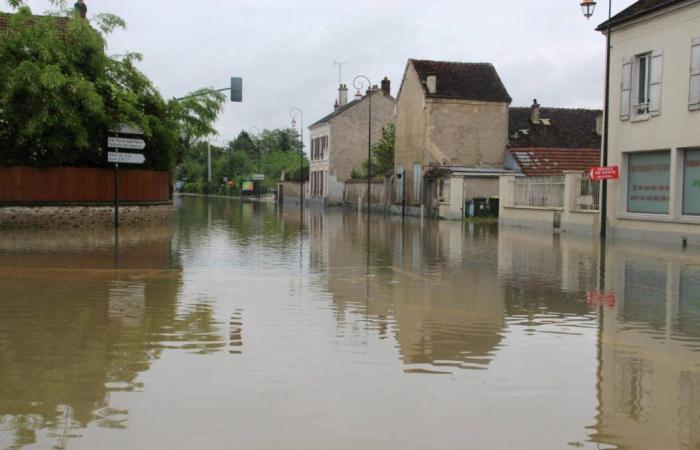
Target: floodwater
{"x":244,"y":327}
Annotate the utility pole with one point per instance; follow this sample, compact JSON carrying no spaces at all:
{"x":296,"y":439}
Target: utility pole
{"x":208,"y":167}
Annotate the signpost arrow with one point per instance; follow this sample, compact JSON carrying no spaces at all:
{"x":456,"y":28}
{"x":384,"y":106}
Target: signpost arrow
{"x":131,"y":144}
{"x":125,"y":158}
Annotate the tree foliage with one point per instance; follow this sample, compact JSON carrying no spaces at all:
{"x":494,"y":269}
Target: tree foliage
{"x":382,"y":155}
{"x":239,"y":160}
{"x":60,"y":95}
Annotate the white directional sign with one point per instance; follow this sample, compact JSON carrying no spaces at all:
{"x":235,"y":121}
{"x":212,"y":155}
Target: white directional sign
{"x":125,"y":158}
{"x":258,"y":176}
{"x":133,"y":144}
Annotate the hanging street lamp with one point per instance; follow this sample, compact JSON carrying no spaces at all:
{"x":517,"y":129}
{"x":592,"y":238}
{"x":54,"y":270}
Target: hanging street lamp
{"x":588,"y":7}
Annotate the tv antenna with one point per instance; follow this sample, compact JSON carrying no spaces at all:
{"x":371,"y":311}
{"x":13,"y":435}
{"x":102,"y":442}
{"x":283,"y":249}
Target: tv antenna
{"x":340,"y":65}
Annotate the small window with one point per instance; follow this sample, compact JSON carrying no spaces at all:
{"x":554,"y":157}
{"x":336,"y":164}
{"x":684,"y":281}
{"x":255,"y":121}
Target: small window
{"x":691,"y":182}
{"x":643,"y":77}
{"x":648,"y":182}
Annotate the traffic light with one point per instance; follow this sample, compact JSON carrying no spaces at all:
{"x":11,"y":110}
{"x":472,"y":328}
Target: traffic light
{"x":236,"y":89}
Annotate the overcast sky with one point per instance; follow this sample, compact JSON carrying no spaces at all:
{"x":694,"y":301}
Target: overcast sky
{"x":285,"y":50}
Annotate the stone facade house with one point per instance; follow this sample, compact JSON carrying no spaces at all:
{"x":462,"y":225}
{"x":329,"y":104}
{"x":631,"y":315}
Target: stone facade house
{"x":549,"y":141}
{"x":339,"y":141}
{"x":451,"y":135}
{"x":654,"y":121}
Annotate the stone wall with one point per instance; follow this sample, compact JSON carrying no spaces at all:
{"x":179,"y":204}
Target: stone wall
{"x":83,"y":216}
{"x":356,"y":192}
{"x":348,"y":146}
{"x":410,"y":129}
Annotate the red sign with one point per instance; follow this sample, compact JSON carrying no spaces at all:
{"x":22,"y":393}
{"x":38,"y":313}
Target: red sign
{"x":604,"y":173}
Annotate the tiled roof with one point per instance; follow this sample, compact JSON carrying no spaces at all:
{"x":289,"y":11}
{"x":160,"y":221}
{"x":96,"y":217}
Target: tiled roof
{"x":638,"y":9}
{"x":569,"y":128}
{"x":464,"y":81}
{"x":553,"y":161}
{"x":341,"y":110}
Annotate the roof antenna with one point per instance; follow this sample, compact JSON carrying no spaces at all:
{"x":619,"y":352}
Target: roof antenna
{"x":340,"y":70}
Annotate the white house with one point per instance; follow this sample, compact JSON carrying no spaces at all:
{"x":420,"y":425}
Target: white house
{"x":654,"y":122}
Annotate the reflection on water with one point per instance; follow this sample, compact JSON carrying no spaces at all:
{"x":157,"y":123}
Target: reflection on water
{"x":246,"y":324}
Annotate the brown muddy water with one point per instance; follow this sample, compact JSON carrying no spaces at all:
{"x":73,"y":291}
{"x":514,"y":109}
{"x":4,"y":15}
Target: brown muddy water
{"x":244,"y":327}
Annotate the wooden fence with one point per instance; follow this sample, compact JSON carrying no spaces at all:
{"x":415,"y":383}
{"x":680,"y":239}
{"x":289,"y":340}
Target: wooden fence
{"x":30,"y":185}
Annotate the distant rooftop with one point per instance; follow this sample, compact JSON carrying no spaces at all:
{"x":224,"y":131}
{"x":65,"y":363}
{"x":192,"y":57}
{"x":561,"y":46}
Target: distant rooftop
{"x":465,"y":81}
{"x":558,"y":128}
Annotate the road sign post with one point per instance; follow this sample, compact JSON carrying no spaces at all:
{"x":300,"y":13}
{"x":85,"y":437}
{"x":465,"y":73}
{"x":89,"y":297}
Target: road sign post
{"x":115,"y":157}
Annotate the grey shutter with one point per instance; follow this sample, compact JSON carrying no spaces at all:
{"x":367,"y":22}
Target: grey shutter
{"x":694,"y":101}
{"x":626,"y":88}
{"x":655,"y":74}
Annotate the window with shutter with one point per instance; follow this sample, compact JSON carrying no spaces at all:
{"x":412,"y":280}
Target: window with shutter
{"x":655,"y":73}
{"x":694,"y":100}
{"x":626,"y":89}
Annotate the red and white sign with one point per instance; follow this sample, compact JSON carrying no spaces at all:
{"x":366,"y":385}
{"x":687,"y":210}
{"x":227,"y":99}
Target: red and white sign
{"x":604,"y":173}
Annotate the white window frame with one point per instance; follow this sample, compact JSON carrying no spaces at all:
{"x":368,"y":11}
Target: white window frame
{"x":694,"y":103}
{"x":623,"y":211}
{"x":640,"y":107}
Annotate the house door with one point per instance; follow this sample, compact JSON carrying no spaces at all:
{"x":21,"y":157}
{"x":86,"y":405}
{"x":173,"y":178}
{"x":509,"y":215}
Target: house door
{"x":428,"y":200}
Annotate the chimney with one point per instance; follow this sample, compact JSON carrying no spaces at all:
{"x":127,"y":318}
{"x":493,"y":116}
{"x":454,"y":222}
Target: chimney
{"x":599,"y":124}
{"x":358,"y":95}
{"x":431,"y":83}
{"x":342,"y":95}
{"x":81,"y":7}
{"x":386,"y":86}
{"x":336,"y":107}
{"x":535,"y":114}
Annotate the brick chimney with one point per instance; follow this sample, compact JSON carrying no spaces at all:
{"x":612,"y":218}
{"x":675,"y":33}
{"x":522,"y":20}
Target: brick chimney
{"x":358,"y":95}
{"x":386,"y":86}
{"x":431,"y":83}
{"x":535,"y":112}
{"x":336,"y":107}
{"x":342,"y":95}
{"x":81,"y":7}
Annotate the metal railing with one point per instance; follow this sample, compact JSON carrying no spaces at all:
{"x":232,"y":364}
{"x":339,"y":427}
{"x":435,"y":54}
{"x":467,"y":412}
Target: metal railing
{"x":588,"y":198}
{"x":543,"y":191}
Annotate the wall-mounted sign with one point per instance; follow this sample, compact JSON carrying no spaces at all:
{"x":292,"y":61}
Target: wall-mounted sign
{"x":604,"y":173}
{"x":258,"y":176}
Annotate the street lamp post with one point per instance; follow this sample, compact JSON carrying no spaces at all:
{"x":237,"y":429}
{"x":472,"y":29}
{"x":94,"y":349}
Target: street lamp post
{"x":357,"y":83}
{"x":257,"y":148}
{"x":294,"y":113}
{"x":588,"y":6}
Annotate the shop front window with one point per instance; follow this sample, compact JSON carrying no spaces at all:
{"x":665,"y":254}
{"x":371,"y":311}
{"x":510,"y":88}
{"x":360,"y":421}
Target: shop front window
{"x":691,"y":183}
{"x":648,"y":182}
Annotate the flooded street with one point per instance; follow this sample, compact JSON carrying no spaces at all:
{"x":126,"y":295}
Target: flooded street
{"x":243,"y":326}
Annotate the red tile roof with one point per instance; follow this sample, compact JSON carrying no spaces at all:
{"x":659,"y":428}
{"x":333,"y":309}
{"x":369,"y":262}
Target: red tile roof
{"x":553,"y":161}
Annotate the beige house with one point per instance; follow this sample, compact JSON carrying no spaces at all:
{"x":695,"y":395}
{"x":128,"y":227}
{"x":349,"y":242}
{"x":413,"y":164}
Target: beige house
{"x":339,"y":141}
{"x":451,"y":135}
{"x":655,"y":121}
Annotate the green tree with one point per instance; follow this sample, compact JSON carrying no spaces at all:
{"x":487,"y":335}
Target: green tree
{"x":60,"y":94}
{"x":382,"y":155}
